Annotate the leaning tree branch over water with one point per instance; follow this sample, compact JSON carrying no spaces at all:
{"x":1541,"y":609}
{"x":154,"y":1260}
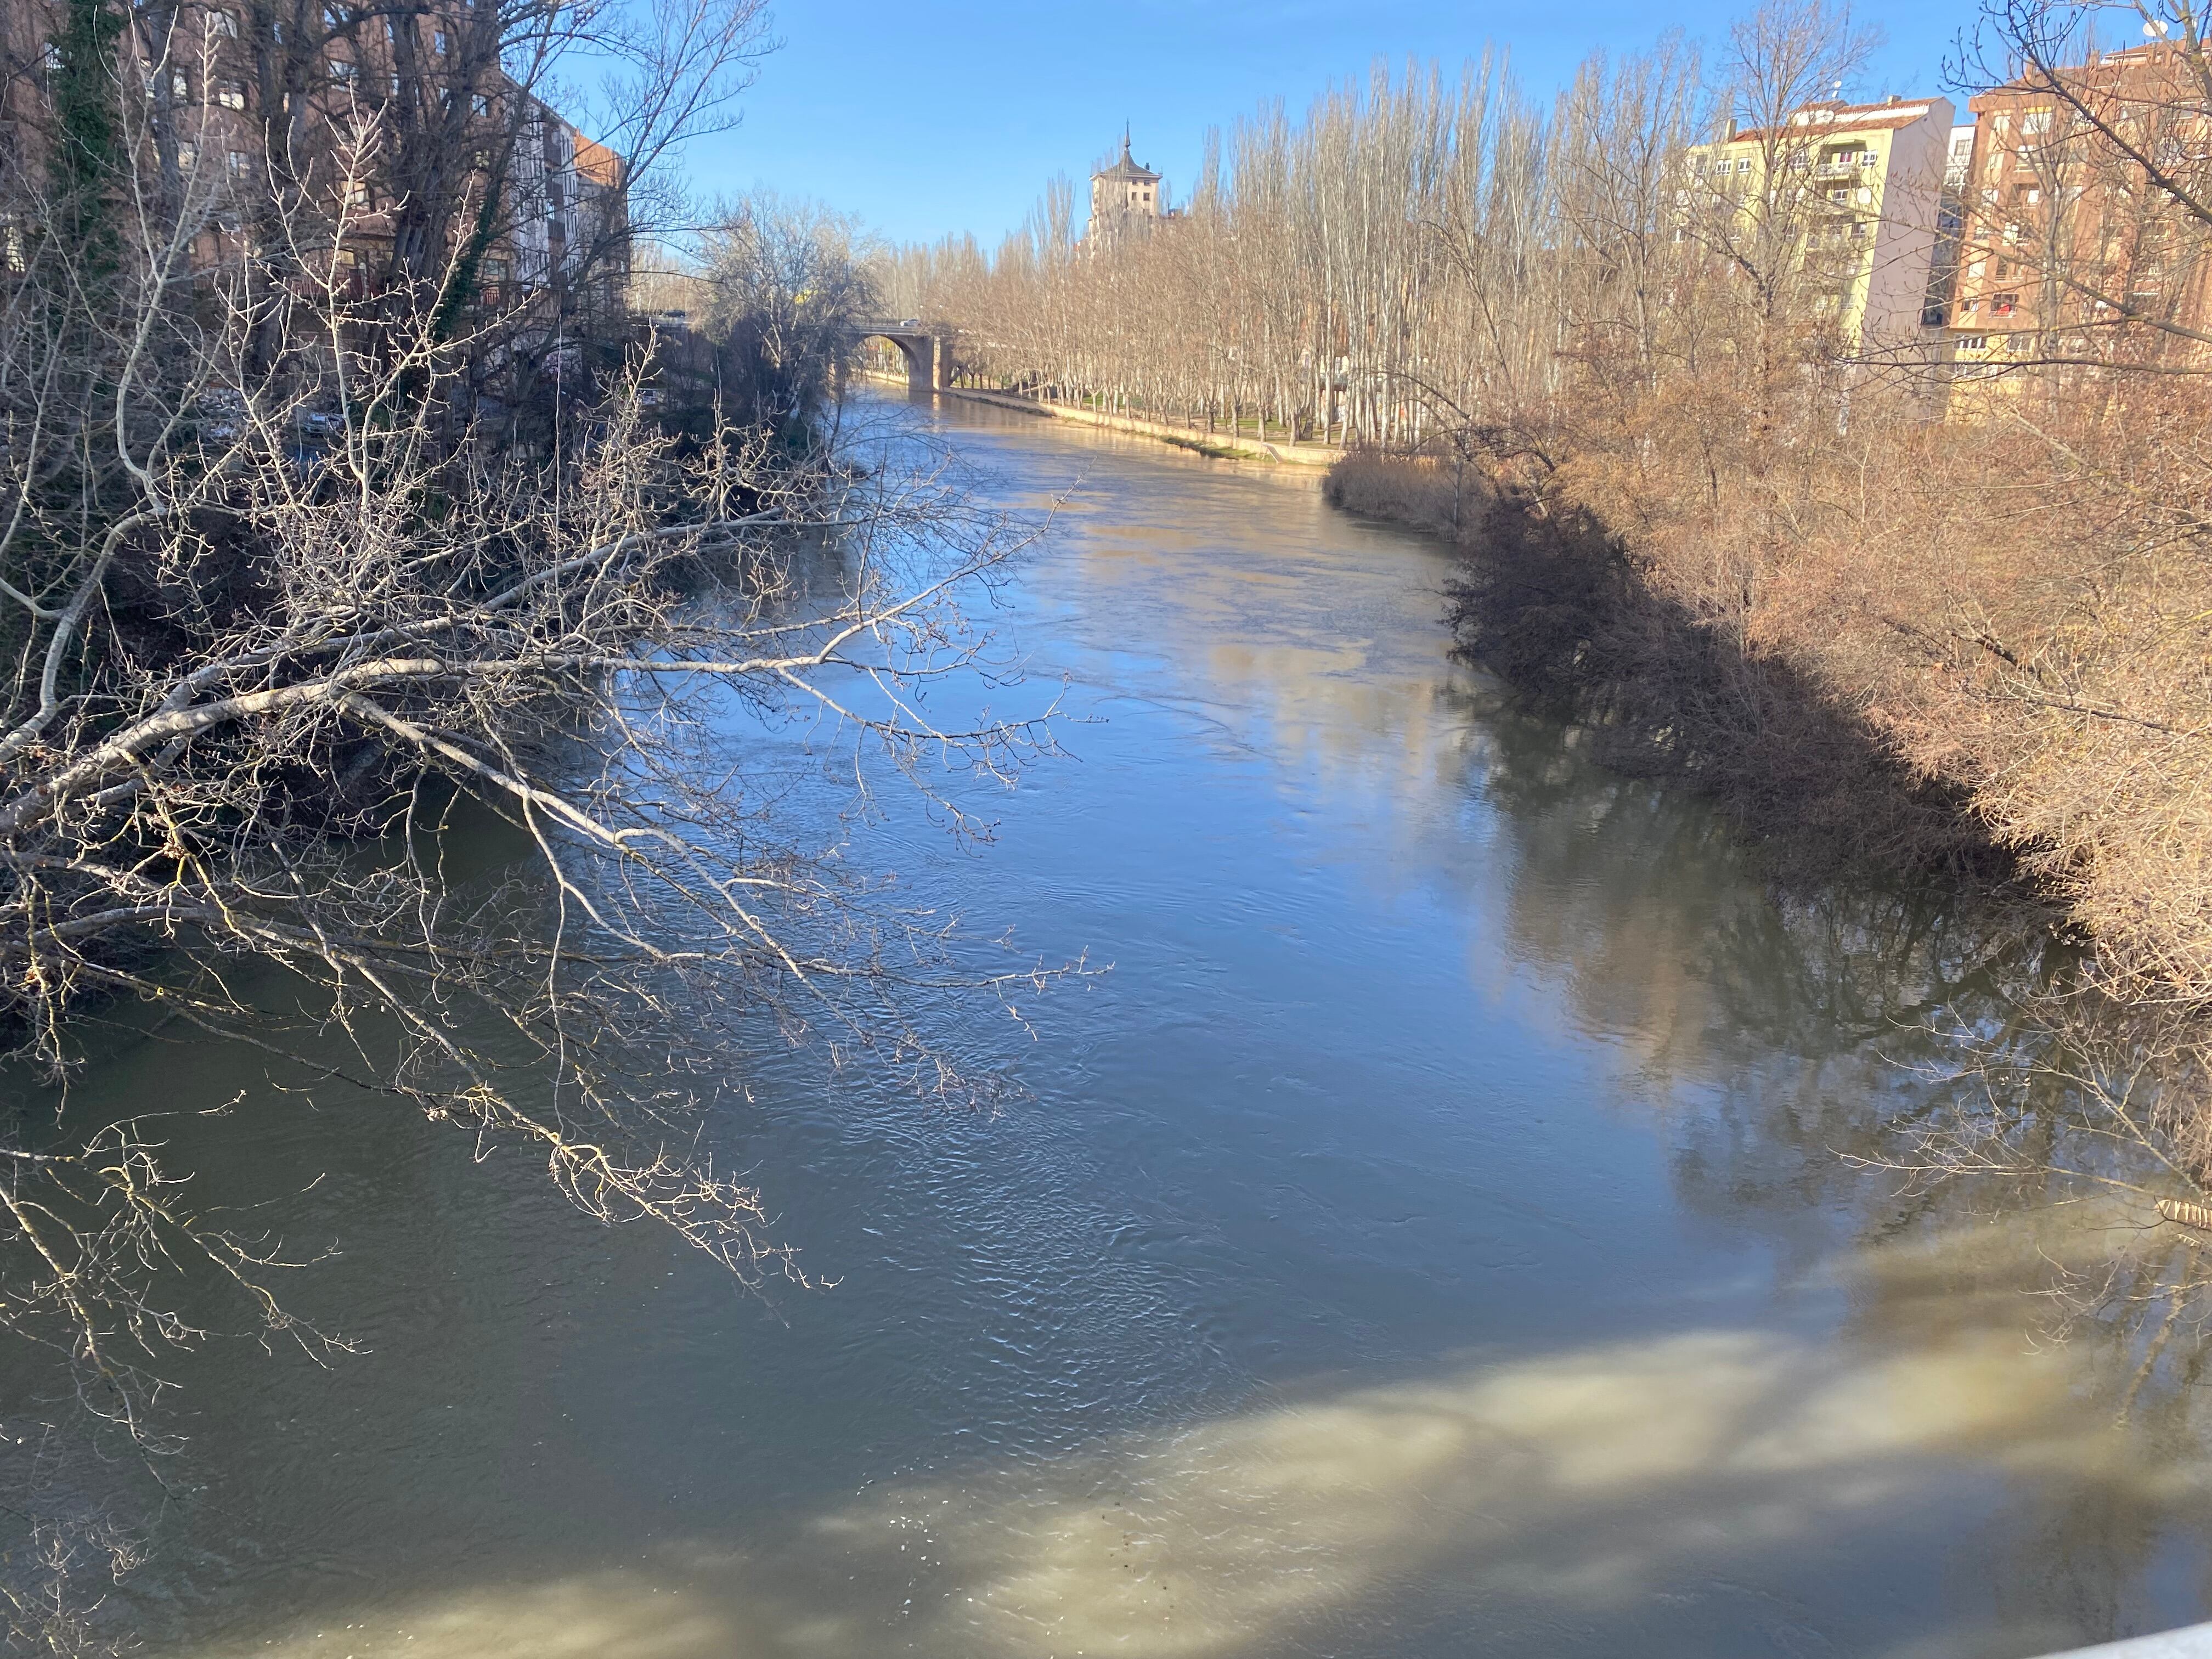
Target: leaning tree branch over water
{"x":566,"y":652}
{"x":292,"y":608}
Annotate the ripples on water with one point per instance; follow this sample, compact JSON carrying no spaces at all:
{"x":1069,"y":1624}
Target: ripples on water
{"x":1431,"y":1237}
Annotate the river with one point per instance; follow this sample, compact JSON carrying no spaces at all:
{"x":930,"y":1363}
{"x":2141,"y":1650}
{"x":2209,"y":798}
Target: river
{"x":1437,"y":1234}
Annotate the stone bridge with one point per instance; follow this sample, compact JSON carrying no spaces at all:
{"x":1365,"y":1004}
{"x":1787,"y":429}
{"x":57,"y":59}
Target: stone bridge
{"x":927,"y":346}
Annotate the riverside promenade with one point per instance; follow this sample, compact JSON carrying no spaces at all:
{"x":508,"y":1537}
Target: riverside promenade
{"x":1240,"y":447}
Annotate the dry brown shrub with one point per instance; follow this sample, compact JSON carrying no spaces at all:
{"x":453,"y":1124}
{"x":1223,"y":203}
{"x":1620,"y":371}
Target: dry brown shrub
{"x":1426,"y":491}
{"x":2006,"y":618}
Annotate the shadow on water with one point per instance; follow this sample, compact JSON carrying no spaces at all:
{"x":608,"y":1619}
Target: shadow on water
{"x":1440,"y":1233}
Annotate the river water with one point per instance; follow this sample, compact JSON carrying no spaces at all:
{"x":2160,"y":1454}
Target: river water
{"x":1437,"y":1234}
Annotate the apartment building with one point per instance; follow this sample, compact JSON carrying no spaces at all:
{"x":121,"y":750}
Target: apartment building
{"x":381,"y":148}
{"x":1950,"y":227}
{"x":2072,"y":254}
{"x":1856,"y":190}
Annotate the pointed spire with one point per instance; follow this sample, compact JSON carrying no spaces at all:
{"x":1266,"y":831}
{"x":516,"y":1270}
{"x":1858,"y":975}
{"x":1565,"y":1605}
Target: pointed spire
{"x":1126,"y":166}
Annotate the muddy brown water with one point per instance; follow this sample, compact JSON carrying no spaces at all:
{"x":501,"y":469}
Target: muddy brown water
{"x":1437,"y":1235}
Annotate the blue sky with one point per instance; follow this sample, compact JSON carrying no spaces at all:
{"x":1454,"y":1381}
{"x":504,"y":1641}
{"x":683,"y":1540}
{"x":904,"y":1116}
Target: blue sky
{"x":949,"y":115}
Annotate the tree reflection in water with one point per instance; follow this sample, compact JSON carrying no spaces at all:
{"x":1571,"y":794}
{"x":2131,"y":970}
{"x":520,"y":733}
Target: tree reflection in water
{"x":1930,"y":1069}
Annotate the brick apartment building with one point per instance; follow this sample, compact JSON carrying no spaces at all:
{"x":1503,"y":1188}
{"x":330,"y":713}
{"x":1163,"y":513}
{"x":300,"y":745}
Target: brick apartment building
{"x":382,"y":146}
{"x":2071,"y":251}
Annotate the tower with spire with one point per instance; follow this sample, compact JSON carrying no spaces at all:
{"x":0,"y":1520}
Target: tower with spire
{"x":1125,"y":198}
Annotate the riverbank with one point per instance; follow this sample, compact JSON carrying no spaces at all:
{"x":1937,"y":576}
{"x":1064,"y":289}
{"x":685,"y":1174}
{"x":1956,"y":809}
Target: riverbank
{"x":1803,"y":736}
{"x":1825,"y":736}
{"x":1562,"y":609}
{"x":1197,"y":440}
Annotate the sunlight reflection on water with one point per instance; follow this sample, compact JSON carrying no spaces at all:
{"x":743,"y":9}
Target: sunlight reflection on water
{"x":1573,"y":1485}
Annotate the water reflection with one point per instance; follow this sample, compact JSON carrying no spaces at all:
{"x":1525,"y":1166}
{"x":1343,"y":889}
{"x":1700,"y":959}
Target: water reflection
{"x":1439,"y":1234}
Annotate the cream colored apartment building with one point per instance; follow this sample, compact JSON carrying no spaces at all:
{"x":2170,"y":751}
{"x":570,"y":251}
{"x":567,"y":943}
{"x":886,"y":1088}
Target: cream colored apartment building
{"x":1857,"y":191}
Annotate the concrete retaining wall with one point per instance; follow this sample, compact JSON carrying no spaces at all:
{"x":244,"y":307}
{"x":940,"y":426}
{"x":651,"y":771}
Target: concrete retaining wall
{"x":1183,"y":437}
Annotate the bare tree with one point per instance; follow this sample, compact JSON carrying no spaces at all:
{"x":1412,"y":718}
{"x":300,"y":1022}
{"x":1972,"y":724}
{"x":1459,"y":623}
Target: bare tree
{"x":787,"y":284}
{"x":281,"y":582}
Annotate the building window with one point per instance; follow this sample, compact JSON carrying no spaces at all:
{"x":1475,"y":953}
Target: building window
{"x":345,"y":72}
{"x":1743,"y":164}
{"x":231,"y":94}
{"x":188,"y":157}
{"x":240,"y":164}
{"x":2003,"y":305}
{"x":439,"y":44}
{"x":223,"y":23}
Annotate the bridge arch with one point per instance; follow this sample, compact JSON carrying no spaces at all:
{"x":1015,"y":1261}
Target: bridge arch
{"x":929,"y":354}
